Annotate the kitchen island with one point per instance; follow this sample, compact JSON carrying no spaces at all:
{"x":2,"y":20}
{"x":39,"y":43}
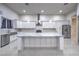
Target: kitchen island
{"x":39,"y":40}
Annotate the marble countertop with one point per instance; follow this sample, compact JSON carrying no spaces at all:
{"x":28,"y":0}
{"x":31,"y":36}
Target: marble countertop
{"x":46,"y":34}
{"x":6,"y":31}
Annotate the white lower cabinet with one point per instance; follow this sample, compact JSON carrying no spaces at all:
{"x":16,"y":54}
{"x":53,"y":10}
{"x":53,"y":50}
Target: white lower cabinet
{"x":40,"y":42}
{"x":13,"y":42}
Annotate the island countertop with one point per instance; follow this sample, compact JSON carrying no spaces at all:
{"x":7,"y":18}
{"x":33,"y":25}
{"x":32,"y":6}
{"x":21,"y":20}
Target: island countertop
{"x":44,"y":34}
{"x":32,"y":39}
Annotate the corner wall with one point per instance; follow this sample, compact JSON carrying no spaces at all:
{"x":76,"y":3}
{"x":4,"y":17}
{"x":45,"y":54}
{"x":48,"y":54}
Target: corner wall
{"x":7,"y":13}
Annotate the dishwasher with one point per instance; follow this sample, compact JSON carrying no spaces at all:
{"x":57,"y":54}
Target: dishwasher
{"x":5,"y":40}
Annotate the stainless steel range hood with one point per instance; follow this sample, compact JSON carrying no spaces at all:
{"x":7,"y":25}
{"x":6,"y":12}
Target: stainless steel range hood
{"x":38,"y":22}
{"x":38,"y":25}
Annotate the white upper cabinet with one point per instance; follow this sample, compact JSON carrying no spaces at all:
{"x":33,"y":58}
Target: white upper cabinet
{"x":28,"y":24}
{"x":19,"y":24}
{"x":22,"y":24}
{"x":49,"y":24}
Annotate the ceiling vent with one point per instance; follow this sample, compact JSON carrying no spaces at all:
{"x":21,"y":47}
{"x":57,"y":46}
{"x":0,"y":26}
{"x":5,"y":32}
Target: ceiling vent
{"x":26,"y":4}
{"x":65,"y":3}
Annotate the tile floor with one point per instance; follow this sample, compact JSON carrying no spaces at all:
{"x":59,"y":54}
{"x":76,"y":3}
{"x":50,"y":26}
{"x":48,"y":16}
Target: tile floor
{"x":40,"y":52}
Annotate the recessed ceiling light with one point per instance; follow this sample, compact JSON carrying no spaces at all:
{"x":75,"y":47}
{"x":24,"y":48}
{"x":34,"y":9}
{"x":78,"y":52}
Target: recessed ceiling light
{"x":42,"y":11}
{"x":60,"y":11}
{"x":24,"y":11}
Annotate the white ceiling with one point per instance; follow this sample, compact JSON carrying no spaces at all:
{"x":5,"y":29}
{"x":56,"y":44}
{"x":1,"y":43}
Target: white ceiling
{"x":34,"y":8}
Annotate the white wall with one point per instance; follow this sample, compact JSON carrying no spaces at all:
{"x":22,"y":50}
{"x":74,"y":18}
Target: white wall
{"x":69,"y":15}
{"x":8,"y":13}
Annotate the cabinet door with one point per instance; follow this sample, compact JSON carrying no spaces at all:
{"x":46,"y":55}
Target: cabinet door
{"x":19,"y":24}
{"x":28,"y":25}
{"x":49,"y":25}
{"x":22,"y":24}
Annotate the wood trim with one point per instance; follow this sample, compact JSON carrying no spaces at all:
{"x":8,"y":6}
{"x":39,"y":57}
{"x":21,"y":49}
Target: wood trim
{"x":74,"y":31}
